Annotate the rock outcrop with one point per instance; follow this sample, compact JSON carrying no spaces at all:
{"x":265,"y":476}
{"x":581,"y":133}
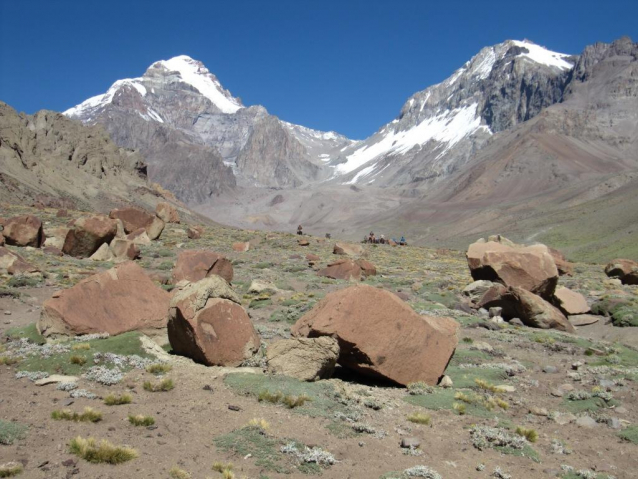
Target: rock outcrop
{"x":193,"y":265}
{"x":116,"y":301}
{"x":135,"y":218}
{"x":381,"y":336}
{"x":307,"y":359}
{"x":207,"y":324}
{"x":13,"y":263}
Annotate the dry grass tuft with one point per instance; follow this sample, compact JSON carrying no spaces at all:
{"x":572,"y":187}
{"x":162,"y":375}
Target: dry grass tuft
{"x":158,"y":368}
{"x":77,"y":359}
{"x":260,"y":423}
{"x":113,"y":400}
{"x":177,"y":473}
{"x":104,"y":452}
{"x":420,"y":418}
{"x":163,"y":386}
{"x":11,"y":469}
{"x":81,"y":347}
{"x":89,"y":415}
{"x":530,"y":434}
{"x":141,"y":420}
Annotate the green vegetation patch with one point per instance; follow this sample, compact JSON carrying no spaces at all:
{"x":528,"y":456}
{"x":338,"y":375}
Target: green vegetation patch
{"x":11,"y":431}
{"x":252,"y":440}
{"x":630,"y":434}
{"x":127,"y":344}
{"x":29,"y":332}
{"x":321,"y":399}
{"x":623,"y":311}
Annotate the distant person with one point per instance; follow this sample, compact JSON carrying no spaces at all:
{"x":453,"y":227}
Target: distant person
{"x":299,"y":230}
{"x":402,"y":241}
{"x":328,"y":236}
{"x":382,"y":239}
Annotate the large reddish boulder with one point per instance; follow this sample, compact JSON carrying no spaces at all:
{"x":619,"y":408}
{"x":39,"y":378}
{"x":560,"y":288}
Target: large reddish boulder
{"x":207,"y":324}
{"x":13,"y":263}
{"x":624,"y":269}
{"x":348,"y":269}
{"x":381,"y":336}
{"x":87,"y":234}
{"x":529,"y":267}
{"x":348,"y":249}
{"x":132,"y":218}
{"x":135,"y":218}
{"x":116,"y":301}
{"x":193,"y":265}
{"x":530,"y":308}
{"x":167,"y":213}
{"x":25,"y":230}
{"x":570,"y":302}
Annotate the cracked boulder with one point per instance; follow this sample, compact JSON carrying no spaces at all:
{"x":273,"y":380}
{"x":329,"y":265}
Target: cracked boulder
{"x":207,"y":324}
{"x":380,"y":336}
{"x":193,"y":265}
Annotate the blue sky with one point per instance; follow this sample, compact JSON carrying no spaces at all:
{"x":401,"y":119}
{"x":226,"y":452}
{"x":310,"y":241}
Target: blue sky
{"x":345,"y":65}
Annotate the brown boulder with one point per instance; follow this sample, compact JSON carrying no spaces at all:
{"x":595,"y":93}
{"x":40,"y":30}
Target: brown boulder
{"x":132,"y":218}
{"x":154,"y":230}
{"x":624,"y":269}
{"x":194,"y":232}
{"x":530,"y":308}
{"x":13,"y":263}
{"x":342,"y":269}
{"x":167,"y":213}
{"x":241,"y":247}
{"x":207,"y":324}
{"x":381,"y":336}
{"x":307,"y":359}
{"x":25,"y":230}
{"x":564,"y":267}
{"x":570,"y":302}
{"x":313,"y":257}
{"x":125,"y":249}
{"x":139,"y":237}
{"x":348,"y":249}
{"x":528,"y":267}
{"x":116,"y":301}
{"x":303,"y":242}
{"x":193,"y":265}
{"x":367,"y":268}
{"x":87,"y":234}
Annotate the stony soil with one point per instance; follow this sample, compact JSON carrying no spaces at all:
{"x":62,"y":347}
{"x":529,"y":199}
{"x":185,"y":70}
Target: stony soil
{"x":194,"y":425}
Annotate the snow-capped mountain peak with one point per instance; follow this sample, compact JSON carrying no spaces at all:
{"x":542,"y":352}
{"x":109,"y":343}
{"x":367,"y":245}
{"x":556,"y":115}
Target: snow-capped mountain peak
{"x":195,"y":74}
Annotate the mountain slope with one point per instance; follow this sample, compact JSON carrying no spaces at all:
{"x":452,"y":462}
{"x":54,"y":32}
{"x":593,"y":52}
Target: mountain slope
{"x":56,"y":161}
{"x":181,"y":103}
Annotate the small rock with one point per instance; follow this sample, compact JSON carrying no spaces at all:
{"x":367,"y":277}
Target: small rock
{"x":56,"y":378}
{"x":559,"y":393}
{"x":506,"y":388}
{"x":586,"y":421}
{"x":567,"y":387}
{"x":446,"y":382}
{"x":234,"y":408}
{"x":410,"y":442}
{"x":538,"y":411}
{"x":621,"y":410}
{"x":495,"y":311}
{"x":577,"y":365}
{"x":208,"y":387}
{"x":7,"y":313}
{"x":550,"y":369}
{"x":516,"y":322}
{"x":614,"y":423}
{"x":67,"y":402}
{"x":484,"y":313}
